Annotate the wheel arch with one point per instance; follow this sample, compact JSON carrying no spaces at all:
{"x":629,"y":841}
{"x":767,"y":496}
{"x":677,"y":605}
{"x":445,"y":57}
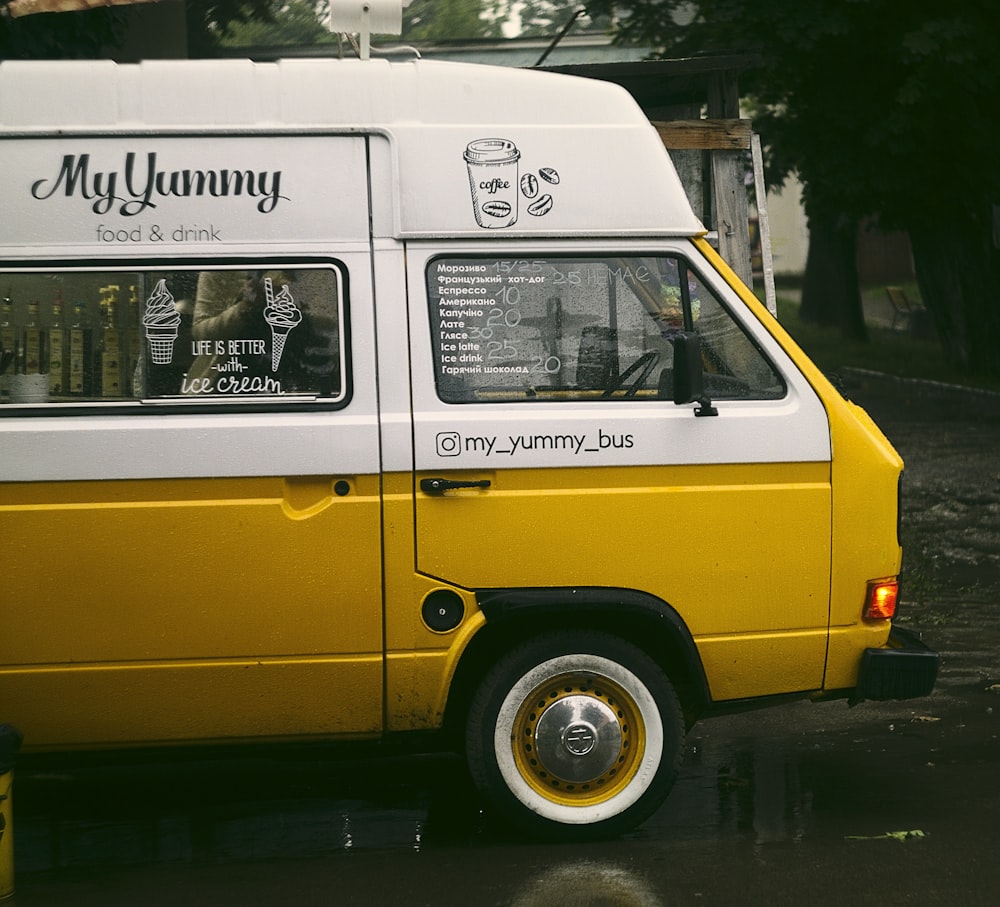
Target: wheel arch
{"x":514,"y":615}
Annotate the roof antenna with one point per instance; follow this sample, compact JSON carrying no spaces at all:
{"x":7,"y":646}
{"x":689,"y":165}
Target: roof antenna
{"x":562,"y":34}
{"x":383,"y":17}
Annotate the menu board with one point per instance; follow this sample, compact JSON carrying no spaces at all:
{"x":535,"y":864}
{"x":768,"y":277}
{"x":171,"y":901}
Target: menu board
{"x":534,"y":324}
{"x":479,"y":317}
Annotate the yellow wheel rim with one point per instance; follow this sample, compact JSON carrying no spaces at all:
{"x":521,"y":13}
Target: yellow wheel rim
{"x":578,"y":739}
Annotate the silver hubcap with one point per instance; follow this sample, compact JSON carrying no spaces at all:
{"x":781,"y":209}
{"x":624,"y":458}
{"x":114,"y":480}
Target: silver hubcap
{"x":578,"y":738}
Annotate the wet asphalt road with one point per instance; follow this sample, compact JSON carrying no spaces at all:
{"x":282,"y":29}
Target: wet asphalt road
{"x":887,"y":803}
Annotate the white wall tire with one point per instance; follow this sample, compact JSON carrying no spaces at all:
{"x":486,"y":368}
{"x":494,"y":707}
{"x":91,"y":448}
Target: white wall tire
{"x":575,"y":735}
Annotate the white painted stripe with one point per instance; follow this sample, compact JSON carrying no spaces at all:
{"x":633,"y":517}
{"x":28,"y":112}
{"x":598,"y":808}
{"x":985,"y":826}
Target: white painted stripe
{"x":195,"y":446}
{"x":546,"y":435}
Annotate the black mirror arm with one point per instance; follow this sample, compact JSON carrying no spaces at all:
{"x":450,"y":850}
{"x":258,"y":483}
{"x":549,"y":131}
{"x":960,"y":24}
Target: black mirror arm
{"x":704,"y":407}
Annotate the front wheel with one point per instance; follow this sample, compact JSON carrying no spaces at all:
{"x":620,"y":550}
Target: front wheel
{"x":575,"y":734}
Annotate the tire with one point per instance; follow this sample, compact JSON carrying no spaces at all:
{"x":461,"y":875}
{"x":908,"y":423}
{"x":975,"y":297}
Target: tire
{"x":575,"y":735}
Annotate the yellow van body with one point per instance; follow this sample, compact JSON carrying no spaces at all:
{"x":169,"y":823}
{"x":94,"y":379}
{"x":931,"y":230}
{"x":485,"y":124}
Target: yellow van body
{"x":341,"y":400}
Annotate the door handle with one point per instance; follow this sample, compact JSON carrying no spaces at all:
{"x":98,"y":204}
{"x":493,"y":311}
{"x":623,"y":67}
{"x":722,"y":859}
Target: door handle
{"x":440,"y":486}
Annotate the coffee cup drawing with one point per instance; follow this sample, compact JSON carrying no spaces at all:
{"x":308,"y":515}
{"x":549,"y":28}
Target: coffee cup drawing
{"x":493,"y":166}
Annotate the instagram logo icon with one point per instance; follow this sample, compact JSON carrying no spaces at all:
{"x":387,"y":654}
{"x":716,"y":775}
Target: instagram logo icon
{"x":449,"y":444}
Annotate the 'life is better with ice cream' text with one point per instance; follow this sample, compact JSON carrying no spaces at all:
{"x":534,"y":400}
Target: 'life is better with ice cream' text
{"x":139,"y":183}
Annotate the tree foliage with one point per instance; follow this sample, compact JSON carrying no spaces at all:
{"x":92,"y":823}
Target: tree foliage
{"x":211,"y":22}
{"x":304,"y":22}
{"x":61,"y":36}
{"x":457,"y":19}
{"x":287,"y":23}
{"x":436,"y":20}
{"x":546,"y":18}
{"x":99,"y":32}
{"x":885,"y":109}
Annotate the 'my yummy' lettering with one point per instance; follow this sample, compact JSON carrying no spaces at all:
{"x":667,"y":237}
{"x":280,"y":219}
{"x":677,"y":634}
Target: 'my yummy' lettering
{"x":137,"y":186}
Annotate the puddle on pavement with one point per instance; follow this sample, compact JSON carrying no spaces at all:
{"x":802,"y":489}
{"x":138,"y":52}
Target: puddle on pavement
{"x":766,"y":789}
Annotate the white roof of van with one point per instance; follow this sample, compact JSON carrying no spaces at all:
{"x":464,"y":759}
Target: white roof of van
{"x":584,"y":143}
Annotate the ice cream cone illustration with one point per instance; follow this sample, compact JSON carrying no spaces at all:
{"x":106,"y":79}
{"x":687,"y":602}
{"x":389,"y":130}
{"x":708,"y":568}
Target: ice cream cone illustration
{"x":282,"y":316}
{"x":278,"y":338}
{"x":161,"y":320}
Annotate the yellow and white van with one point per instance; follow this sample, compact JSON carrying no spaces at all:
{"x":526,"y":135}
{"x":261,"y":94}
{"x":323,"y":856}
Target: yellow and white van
{"x":347,"y":399}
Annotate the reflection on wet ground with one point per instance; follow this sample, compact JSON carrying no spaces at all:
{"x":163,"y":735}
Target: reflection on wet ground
{"x":803,"y":775}
{"x":222,"y":809}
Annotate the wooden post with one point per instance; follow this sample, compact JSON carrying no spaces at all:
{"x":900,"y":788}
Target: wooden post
{"x":726,"y":140}
{"x":731,"y":215}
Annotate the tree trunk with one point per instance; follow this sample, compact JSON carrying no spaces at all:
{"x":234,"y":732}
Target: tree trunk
{"x":958,"y":271}
{"x":831,"y":295}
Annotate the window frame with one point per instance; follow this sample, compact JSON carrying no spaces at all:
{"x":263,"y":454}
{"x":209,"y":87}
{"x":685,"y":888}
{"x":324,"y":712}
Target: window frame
{"x":178,"y":404}
{"x":685,"y":265}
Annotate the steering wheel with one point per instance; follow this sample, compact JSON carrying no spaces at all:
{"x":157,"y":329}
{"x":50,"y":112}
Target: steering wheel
{"x":644,"y":365}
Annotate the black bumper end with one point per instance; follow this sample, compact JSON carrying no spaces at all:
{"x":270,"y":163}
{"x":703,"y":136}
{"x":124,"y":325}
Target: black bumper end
{"x":904,"y":669}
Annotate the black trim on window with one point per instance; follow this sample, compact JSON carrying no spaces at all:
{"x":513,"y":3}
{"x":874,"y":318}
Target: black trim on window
{"x":526,"y":261}
{"x":178,"y":404}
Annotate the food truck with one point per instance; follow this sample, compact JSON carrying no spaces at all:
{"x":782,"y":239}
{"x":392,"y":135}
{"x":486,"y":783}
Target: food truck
{"x":356,"y":399}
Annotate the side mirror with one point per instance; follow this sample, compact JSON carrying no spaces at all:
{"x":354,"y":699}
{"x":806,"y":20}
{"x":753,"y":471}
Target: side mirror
{"x":689,"y":384}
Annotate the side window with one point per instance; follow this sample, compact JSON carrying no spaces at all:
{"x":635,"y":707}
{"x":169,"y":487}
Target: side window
{"x":215,"y":334}
{"x":582,"y":329}
{"x":735,"y":368}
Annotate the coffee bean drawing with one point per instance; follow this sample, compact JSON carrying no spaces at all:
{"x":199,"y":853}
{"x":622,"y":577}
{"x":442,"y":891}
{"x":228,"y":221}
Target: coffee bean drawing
{"x":542,"y":206}
{"x":497,"y":208}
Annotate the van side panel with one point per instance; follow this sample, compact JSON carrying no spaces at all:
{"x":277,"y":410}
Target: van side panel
{"x":865,"y":473}
{"x":866,"y":481}
{"x":145,"y":704}
{"x":254,"y":583}
{"x":757,"y":611}
{"x":143,"y":562}
{"x":725,"y":519}
{"x":211,"y":565}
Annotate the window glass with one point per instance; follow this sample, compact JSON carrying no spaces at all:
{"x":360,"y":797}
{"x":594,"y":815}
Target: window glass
{"x":582,"y":329}
{"x":179,"y":336}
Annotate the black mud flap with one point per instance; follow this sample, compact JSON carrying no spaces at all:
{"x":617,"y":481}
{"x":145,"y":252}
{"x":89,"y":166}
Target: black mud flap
{"x":905,"y":668}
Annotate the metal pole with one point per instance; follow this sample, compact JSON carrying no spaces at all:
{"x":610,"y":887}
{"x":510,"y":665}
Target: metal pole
{"x":760,"y":193}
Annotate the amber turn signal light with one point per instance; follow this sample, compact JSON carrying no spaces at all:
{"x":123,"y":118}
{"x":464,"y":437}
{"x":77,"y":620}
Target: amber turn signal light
{"x":880,"y":602}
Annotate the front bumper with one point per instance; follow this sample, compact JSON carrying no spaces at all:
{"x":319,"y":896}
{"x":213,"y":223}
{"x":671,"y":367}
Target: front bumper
{"x":904,"y":668}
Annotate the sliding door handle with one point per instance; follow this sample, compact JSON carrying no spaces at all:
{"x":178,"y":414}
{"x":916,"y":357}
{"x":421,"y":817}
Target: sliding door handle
{"x":440,"y":486}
